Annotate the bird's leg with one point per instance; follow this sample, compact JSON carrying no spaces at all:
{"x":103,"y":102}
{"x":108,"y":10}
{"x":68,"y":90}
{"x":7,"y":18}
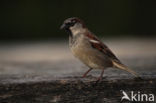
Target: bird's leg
{"x":101,"y":75}
{"x":85,"y":74}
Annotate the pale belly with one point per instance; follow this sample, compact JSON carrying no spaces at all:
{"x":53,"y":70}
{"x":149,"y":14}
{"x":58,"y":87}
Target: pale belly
{"x":91,"y":57}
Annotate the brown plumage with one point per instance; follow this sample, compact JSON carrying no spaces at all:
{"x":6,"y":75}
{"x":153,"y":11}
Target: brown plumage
{"x":101,"y":47}
{"x":89,"y":49}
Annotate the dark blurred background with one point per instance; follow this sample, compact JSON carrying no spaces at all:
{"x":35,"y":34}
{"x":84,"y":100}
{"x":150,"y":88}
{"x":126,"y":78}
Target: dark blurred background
{"x":41,"y":19}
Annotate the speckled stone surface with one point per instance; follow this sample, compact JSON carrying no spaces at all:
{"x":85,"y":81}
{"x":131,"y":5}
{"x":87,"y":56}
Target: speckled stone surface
{"x":46,"y":72}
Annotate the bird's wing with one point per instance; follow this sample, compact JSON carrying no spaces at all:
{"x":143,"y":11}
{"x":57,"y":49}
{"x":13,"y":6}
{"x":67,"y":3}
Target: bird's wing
{"x":97,"y":44}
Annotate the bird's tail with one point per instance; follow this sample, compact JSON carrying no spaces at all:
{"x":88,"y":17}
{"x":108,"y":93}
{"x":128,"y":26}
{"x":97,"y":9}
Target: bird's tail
{"x":123,"y":67}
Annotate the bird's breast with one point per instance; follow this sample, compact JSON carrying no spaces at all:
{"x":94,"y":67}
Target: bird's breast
{"x":88,"y":55}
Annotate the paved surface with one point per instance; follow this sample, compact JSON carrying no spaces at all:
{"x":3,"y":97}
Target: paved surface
{"x":50,"y":65}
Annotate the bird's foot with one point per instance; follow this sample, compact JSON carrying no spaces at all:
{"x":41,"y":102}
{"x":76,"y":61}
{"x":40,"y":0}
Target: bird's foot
{"x":100,"y":79}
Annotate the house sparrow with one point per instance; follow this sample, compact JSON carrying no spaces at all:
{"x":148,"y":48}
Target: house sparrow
{"x":89,"y":49}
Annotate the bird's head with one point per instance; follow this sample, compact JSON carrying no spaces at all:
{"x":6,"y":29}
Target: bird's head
{"x":73,"y":25}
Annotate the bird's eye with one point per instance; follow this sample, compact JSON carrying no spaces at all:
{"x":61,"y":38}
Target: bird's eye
{"x":70,"y":23}
{"x":73,"y":21}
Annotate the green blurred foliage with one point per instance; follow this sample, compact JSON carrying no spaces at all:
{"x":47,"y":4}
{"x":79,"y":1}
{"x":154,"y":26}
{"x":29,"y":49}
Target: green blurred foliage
{"x":26,"y":19}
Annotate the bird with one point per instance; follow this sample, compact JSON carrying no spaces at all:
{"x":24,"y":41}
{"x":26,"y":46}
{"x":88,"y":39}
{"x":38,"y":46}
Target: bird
{"x":89,"y":49}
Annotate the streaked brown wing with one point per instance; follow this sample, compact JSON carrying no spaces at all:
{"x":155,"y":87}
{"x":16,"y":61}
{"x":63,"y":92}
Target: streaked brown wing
{"x":102,"y":47}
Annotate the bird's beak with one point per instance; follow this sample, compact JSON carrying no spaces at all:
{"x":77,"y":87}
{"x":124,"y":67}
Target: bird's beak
{"x":63,"y":26}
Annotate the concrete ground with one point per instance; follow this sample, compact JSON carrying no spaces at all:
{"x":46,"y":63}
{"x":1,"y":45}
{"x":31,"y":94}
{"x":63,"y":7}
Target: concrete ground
{"x":49,"y":68}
